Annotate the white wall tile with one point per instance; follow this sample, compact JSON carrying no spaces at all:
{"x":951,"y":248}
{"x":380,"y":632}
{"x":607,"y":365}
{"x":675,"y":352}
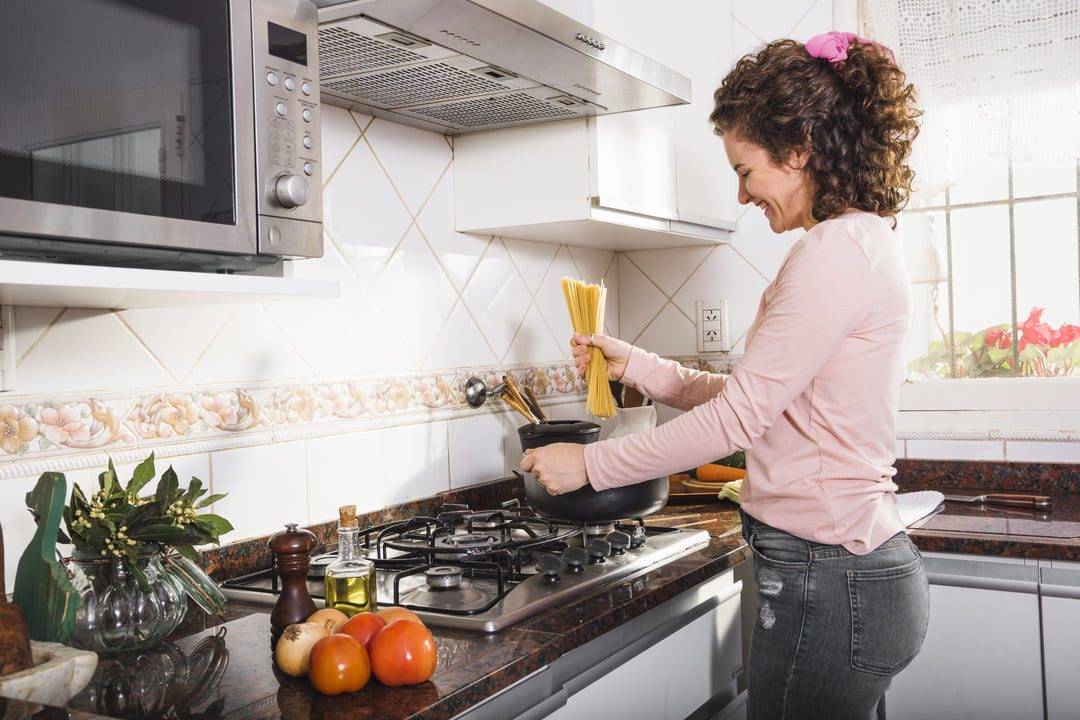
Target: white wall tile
{"x":956,"y":449}
{"x":592,"y":264}
{"x":639,"y":300}
{"x":551,"y":301}
{"x":1051,"y":452}
{"x":459,"y":343}
{"x":759,"y":245}
{"x":669,"y":268}
{"x":87,"y":350}
{"x":339,"y":133}
{"x":459,"y":253}
{"x":267,"y":488}
{"x":532,"y":259}
{"x":497,"y":297}
{"x":901,"y":449}
{"x":724,"y":275}
{"x":415,"y":159}
{"x":363,"y":214}
{"x":476,"y":449}
{"x":175,"y":336}
{"x":415,"y":298}
{"x":345,"y":470}
{"x":670,"y":333}
{"x":534,"y":341}
{"x":417,"y":461}
{"x":611,"y":312}
{"x":250,"y":347}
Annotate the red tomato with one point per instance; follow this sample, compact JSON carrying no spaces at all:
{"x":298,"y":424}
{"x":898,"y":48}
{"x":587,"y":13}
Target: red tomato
{"x":339,"y":664}
{"x":363,"y":627}
{"x":403,"y":653}
{"x":391,"y":614}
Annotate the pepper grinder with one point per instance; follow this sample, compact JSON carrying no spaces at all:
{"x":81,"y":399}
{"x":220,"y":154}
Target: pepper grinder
{"x":292,"y":556}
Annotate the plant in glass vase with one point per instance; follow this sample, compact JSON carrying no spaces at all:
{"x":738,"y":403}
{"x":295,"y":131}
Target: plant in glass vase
{"x":132,"y":587}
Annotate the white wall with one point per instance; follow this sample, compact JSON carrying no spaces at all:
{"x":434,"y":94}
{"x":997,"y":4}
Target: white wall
{"x":297,"y":407}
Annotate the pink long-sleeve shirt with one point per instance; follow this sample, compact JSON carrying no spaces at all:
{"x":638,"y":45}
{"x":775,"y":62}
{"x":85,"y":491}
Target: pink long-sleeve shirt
{"x":813,"y":400}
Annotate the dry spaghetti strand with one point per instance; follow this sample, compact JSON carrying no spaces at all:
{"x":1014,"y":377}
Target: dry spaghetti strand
{"x":585,"y":302}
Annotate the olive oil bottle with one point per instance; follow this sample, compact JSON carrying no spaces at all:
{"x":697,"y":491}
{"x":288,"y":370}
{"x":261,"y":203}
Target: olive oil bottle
{"x":350,"y":581}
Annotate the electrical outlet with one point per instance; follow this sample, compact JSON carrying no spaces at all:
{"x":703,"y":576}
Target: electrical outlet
{"x":713,"y":334}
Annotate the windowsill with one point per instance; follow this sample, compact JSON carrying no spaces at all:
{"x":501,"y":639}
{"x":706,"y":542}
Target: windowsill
{"x":1036,"y":409}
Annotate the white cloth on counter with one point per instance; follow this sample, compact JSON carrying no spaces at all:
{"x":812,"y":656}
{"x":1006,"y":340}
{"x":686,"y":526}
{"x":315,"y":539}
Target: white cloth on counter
{"x":914,"y":506}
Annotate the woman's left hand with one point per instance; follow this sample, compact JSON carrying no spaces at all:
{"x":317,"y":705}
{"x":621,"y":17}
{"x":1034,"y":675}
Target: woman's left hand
{"x":559,"y":467}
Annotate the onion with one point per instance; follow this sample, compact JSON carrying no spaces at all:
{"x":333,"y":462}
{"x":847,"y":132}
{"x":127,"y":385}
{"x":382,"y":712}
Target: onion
{"x":293,"y":648}
{"x":335,"y":618}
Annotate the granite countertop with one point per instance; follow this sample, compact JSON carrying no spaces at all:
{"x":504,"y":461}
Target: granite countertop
{"x":472,"y":666}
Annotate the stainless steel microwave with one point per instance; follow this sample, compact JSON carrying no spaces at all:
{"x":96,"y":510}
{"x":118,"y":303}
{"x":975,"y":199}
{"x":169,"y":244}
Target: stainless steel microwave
{"x":145,"y":131}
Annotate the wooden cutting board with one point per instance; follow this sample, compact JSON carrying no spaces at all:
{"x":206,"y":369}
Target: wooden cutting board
{"x":680,"y":494}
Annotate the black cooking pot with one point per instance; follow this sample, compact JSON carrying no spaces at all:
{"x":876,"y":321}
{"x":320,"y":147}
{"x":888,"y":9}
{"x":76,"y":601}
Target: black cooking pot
{"x":586,"y":504}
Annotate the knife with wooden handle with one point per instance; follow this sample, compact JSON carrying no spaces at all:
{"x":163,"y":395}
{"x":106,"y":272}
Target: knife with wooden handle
{"x":1035,"y":502}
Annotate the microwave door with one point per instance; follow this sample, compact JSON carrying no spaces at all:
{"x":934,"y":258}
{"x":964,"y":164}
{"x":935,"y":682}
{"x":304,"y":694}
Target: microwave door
{"x":128,"y":121}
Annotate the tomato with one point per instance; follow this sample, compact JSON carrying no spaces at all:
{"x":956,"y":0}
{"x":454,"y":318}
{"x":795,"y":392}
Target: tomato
{"x":403,"y":653}
{"x":339,"y":664}
{"x":363,"y":627}
{"x":391,"y":614}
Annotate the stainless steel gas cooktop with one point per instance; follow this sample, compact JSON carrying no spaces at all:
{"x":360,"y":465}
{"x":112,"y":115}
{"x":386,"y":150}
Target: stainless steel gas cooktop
{"x":486,"y":570}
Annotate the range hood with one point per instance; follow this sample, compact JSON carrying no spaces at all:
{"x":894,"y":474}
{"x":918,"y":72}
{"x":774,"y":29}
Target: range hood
{"x":461,"y":66}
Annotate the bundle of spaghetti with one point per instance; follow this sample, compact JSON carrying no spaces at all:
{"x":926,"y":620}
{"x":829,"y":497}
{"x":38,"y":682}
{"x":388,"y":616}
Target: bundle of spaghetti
{"x":586,"y":305}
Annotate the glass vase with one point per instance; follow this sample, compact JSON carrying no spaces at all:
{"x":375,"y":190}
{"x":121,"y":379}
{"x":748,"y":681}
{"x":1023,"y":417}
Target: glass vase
{"x":115,"y":615}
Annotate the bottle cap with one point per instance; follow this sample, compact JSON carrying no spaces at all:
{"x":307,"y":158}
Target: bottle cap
{"x":347,"y":516}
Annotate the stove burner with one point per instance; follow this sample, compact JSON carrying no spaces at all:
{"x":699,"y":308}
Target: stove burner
{"x":599,"y":528}
{"x":467,"y":541}
{"x":443,"y":577}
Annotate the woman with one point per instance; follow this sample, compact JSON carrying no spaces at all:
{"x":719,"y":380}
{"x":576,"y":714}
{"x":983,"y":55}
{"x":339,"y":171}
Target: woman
{"x":819,"y":135}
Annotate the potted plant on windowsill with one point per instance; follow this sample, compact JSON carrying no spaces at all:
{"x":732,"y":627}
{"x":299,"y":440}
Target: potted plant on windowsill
{"x":133,"y":559}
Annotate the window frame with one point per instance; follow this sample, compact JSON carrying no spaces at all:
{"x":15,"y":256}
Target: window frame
{"x":1020,"y":405}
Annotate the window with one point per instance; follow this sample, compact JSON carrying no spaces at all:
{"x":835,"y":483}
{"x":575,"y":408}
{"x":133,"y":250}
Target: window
{"x":992,"y":231}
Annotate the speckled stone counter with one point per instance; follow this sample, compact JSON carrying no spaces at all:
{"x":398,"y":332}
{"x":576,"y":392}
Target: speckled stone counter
{"x":472,"y":666}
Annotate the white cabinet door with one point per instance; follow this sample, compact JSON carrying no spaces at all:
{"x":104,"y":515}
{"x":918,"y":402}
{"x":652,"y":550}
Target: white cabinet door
{"x":706,"y":185}
{"x":1061,"y":640}
{"x":634,"y":154}
{"x":674,"y":677}
{"x":981,"y":659}
{"x":667,"y":161}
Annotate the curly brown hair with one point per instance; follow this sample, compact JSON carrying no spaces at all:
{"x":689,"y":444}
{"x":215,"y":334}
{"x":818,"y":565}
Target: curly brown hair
{"x":857,"y":118}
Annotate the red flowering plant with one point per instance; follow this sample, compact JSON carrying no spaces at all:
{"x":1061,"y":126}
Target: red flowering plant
{"x":1042,"y":351}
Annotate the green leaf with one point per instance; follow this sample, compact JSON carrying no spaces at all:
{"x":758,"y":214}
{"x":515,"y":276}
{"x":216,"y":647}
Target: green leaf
{"x":107,"y":479}
{"x":187,"y":551}
{"x":167,"y":489}
{"x":997,"y":355}
{"x":161,"y":532}
{"x":144,"y":473}
{"x":194,"y":490}
{"x":214,"y":524}
{"x":140,"y":576}
{"x":207,"y":502}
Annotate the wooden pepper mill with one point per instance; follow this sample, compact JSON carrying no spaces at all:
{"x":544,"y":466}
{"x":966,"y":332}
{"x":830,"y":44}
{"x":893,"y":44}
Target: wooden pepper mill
{"x":15,"y":652}
{"x":292,"y":556}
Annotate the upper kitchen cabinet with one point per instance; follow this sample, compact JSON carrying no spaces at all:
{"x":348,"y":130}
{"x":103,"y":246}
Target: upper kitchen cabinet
{"x":645,"y":179}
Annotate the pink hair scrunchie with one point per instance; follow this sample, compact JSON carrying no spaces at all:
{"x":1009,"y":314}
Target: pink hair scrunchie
{"x":833,"y":46}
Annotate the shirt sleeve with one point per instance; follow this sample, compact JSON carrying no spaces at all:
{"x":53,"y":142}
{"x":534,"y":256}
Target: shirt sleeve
{"x":668,"y":382}
{"x":818,"y":300}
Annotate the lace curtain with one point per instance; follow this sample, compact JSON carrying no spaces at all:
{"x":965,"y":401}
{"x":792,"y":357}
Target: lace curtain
{"x":1001,"y":77}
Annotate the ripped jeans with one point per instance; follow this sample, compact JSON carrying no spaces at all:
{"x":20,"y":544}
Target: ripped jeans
{"x":833,"y":628}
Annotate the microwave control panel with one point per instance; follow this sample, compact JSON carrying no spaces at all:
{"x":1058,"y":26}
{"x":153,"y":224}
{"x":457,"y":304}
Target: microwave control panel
{"x":287,"y":125}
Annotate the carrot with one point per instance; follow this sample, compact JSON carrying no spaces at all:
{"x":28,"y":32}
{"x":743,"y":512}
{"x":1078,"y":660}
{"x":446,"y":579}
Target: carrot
{"x":719,"y":473}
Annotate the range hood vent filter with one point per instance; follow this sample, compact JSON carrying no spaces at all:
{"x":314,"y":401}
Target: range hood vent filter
{"x":456,"y":66}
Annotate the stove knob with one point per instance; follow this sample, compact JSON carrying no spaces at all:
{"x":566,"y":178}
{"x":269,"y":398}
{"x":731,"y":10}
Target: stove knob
{"x":551,"y":567}
{"x":575,"y":559}
{"x":620,"y":541}
{"x":637,"y":536}
{"x":291,"y":191}
{"x":598,"y":550}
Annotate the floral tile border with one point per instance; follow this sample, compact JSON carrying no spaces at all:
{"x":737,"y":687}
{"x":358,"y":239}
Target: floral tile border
{"x":32,"y":428}
{"x":722,"y":364}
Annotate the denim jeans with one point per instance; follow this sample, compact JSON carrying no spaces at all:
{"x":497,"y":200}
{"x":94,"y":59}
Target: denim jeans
{"x":833,"y":628}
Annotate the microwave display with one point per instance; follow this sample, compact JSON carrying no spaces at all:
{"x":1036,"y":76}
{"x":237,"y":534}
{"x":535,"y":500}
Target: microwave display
{"x":287,"y":44}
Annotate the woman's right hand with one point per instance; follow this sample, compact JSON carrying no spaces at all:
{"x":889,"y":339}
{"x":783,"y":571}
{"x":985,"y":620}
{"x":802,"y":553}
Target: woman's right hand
{"x":616,"y":353}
